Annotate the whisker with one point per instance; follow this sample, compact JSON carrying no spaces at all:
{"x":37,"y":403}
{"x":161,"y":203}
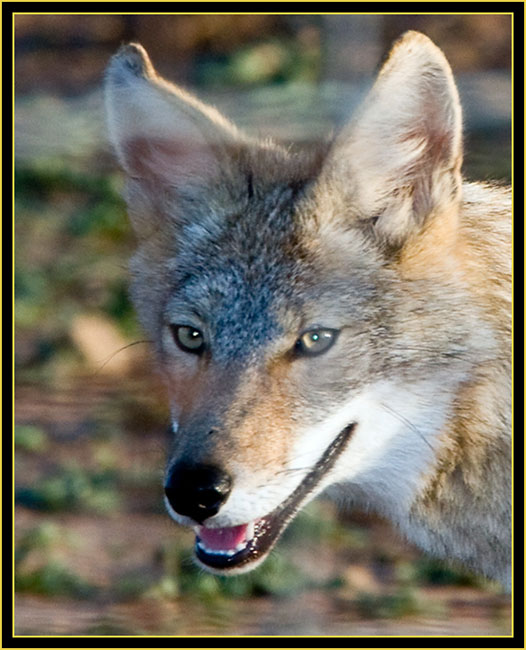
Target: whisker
{"x":407,"y":422}
{"x":114,"y":354}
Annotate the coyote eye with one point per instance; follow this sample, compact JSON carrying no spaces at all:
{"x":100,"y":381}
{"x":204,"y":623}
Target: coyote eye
{"x":188,"y":338}
{"x":315,"y":341}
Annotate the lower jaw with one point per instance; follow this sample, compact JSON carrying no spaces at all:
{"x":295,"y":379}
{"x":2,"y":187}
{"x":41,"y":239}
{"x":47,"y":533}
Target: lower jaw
{"x":231,"y":570}
{"x":241,"y":562}
{"x":266,"y":532}
{"x":268,"y":529}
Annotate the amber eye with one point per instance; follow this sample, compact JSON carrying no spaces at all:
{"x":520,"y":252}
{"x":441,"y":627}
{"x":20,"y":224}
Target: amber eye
{"x":316,"y":341}
{"x":188,"y":338}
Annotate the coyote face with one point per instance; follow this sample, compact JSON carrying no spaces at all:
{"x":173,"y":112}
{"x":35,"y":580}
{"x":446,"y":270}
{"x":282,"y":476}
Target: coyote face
{"x":324,"y":319}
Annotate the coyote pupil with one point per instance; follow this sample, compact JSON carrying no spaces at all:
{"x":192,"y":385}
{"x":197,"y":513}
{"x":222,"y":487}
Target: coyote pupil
{"x":338,"y":320}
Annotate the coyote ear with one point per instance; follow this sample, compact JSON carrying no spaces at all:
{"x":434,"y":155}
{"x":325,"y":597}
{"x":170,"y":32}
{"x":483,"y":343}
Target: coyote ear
{"x":162,"y":135}
{"x":402,"y":154}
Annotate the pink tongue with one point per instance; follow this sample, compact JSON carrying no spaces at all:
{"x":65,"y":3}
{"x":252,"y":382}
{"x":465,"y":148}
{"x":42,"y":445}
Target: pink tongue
{"x":222,"y":539}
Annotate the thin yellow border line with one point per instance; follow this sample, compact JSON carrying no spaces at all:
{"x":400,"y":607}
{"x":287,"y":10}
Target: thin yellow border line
{"x":13,"y":317}
{"x":82,"y":13}
{"x":513,"y":436}
{"x":258,"y":13}
{"x":512,"y":591}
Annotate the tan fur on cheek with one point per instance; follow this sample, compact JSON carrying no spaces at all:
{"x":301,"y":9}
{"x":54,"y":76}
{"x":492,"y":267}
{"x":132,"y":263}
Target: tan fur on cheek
{"x":254,"y":421}
{"x":260,"y":422}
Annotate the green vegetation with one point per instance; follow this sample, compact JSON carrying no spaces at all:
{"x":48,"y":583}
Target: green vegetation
{"x":433,"y":572}
{"x":72,"y":241}
{"x":53,"y":579}
{"x":40,"y":568}
{"x":31,"y":438}
{"x":403,"y":602}
{"x":273,"y":61}
{"x":72,"y":488}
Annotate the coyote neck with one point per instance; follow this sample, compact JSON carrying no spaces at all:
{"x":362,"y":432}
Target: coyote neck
{"x":464,"y":510}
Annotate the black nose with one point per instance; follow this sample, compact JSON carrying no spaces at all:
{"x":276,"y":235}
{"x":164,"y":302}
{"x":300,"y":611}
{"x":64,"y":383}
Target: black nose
{"x":197,"y":491}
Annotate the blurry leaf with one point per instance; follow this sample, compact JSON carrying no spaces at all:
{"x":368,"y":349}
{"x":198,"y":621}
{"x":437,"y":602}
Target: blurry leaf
{"x":133,"y":585}
{"x":31,"y":284}
{"x":269,"y":62}
{"x":119,"y":307}
{"x":53,"y":579}
{"x":102,"y":215}
{"x":41,"y":539}
{"x":435,"y":572}
{"x":38,"y":571}
{"x":402,"y":603}
{"x":30,"y":438}
{"x":260,"y":63}
{"x":72,"y":489}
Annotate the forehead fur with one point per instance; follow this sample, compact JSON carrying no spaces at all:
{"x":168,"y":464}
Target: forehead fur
{"x":241,"y":258}
{"x":253,"y":253}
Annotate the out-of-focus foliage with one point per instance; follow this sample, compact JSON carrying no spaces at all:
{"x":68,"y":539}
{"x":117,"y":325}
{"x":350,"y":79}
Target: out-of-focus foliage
{"x":67,"y":53}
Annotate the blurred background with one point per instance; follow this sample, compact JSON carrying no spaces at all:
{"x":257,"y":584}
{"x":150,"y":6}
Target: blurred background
{"x":95,"y":553}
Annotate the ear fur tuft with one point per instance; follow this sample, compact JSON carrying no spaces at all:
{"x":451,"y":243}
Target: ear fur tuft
{"x":400,"y":157}
{"x":169,"y":144}
{"x":160,"y":131}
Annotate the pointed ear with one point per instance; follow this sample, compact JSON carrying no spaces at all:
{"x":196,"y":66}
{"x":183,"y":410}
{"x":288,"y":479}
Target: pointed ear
{"x":165,"y":139}
{"x":401,"y":156}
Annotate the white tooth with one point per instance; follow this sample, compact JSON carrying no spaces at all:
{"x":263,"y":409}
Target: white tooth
{"x":250,"y":531}
{"x":227,"y":552}
{"x":249,"y":535}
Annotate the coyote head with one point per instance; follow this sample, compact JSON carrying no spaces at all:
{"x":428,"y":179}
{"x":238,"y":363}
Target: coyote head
{"x":299,"y":303}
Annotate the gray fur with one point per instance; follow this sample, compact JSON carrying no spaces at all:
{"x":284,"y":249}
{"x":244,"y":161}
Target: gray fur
{"x":253,"y":244}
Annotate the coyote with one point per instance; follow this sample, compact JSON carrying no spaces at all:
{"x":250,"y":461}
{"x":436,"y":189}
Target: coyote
{"x":337,"y":319}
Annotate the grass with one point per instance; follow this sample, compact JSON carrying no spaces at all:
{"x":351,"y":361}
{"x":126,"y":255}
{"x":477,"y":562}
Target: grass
{"x":404,"y":602}
{"x":72,"y":488}
{"x":40,"y":569}
{"x":31,"y":438}
{"x":72,"y":242}
{"x":54,"y":579}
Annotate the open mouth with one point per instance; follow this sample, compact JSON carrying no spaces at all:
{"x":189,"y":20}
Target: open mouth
{"x":236,"y":547}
